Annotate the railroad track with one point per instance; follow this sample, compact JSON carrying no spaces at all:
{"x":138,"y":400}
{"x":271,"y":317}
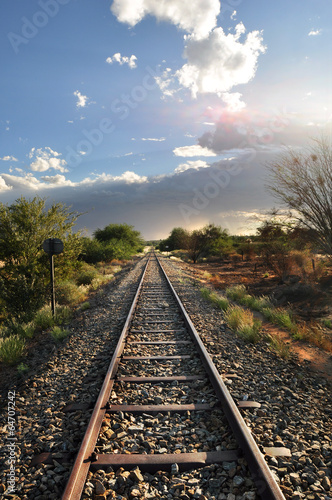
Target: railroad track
{"x":161,"y":370}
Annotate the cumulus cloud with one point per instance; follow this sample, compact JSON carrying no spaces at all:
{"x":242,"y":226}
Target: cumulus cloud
{"x":194,"y":150}
{"x":81,"y":99}
{"x":198,"y":16}
{"x":3,"y":185}
{"x":191,"y":164}
{"x":131,"y":61}
{"x":219,"y":62}
{"x":9,"y":158}
{"x":46,"y":159}
{"x":314,"y":32}
{"x":233,"y":101}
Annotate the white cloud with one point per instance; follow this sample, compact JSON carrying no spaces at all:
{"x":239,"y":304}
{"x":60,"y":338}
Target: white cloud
{"x":233,"y":101}
{"x":194,"y":150}
{"x":314,"y":32}
{"x":131,"y":61}
{"x":57,"y":180}
{"x":191,"y":164}
{"x":3,"y":185}
{"x":9,"y":158}
{"x":154,"y":139}
{"x":81,"y":99}
{"x":46,"y":159}
{"x":219,"y":62}
{"x":198,"y":16}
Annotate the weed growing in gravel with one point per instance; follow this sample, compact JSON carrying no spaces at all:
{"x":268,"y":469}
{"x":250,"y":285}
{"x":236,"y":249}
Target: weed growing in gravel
{"x":219,"y":302}
{"x":11,"y":349}
{"x":59,"y":334}
{"x":22,"y":368}
{"x":243,"y":323}
{"x":86,"y":305}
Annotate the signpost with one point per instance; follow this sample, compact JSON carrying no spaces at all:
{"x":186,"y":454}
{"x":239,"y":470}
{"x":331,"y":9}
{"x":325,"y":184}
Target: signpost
{"x":52,"y":246}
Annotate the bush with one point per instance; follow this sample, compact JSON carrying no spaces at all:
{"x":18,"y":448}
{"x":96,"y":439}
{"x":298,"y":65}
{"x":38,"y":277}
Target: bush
{"x":11,"y":349}
{"x":86,"y":275}
{"x":59,"y":334}
{"x":68,"y":293}
{"x":43,"y":318}
{"x":86,"y":305}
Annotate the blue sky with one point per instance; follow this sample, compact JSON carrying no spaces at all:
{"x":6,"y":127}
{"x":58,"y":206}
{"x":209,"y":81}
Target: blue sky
{"x":159,"y":113}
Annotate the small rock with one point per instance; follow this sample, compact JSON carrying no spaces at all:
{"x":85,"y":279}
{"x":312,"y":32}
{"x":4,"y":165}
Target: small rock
{"x":175,"y":469}
{"x":238,"y":481}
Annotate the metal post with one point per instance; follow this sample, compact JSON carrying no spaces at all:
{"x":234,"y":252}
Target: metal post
{"x":52,"y":284}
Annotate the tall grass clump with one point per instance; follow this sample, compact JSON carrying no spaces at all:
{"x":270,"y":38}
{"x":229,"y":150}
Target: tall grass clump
{"x":279,"y":346}
{"x":219,"y":302}
{"x":239,"y":294}
{"x":59,"y":334}
{"x":43,"y":318}
{"x":11,"y":349}
{"x":284,"y":318}
{"x":243,"y":323}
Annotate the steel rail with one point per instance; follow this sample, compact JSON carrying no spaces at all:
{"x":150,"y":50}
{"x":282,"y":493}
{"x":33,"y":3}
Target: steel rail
{"x":266,"y":484}
{"x":82,"y":462}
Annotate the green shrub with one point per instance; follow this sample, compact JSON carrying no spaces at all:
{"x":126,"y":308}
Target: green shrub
{"x":59,"y":334}
{"x":85,"y":306}
{"x":11,"y":349}
{"x":68,"y":293}
{"x":63,"y":314}
{"x":43,"y":318}
{"x":100,"y":280}
{"x":22,"y":368}
{"x":86,"y":275}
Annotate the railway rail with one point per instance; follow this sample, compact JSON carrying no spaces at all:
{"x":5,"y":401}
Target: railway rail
{"x":179,"y":378}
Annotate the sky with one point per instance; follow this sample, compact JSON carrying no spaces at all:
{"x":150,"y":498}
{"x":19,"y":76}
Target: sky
{"x":159,"y":113}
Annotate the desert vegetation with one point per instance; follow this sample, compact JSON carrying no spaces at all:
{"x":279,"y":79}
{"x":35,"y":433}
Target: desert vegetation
{"x":85,"y":264}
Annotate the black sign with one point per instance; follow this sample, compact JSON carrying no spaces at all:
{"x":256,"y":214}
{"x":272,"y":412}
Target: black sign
{"x":53,"y":246}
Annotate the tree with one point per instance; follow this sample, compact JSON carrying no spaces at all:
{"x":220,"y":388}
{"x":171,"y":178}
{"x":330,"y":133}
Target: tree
{"x":210,"y":240}
{"x":24,"y":225}
{"x":177,"y":240}
{"x":120,"y":232}
{"x":303,"y":182}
